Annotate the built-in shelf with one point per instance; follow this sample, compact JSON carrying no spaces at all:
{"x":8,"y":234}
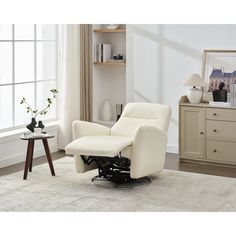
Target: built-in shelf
{"x":109,"y":30}
{"x":110,"y":63}
{"x":109,"y":76}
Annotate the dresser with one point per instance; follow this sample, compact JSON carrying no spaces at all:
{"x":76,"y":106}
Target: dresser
{"x":207,"y":133}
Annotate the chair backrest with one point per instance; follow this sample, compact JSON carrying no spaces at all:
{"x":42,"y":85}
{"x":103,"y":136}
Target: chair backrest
{"x":138,"y":114}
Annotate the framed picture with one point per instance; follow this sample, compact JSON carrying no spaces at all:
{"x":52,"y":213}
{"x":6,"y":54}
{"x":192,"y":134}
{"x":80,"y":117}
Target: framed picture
{"x":218,"y":66}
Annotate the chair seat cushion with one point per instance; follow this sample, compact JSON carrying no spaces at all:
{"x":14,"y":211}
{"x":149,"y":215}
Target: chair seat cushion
{"x":98,"y":145}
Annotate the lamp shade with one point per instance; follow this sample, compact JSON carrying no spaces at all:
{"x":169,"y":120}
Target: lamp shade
{"x":194,"y":80}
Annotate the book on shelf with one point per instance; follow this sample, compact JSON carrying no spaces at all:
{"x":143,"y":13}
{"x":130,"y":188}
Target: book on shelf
{"x":98,"y":57}
{"x":219,"y":104}
{"x":103,"y":52}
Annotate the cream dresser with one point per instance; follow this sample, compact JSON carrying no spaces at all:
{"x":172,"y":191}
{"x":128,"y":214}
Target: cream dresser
{"x":206,"y":133}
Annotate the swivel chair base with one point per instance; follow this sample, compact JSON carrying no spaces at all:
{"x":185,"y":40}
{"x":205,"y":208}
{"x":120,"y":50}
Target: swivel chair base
{"x":115,"y":170}
{"x":102,"y":182}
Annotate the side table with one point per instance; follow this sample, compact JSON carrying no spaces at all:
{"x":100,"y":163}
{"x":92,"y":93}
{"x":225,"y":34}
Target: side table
{"x":30,"y":151}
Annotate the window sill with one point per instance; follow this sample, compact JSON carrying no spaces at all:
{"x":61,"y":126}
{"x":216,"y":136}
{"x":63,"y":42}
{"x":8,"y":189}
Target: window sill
{"x":16,"y":133}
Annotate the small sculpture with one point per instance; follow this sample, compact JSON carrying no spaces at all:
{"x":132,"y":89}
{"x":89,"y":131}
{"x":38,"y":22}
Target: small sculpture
{"x":220,"y":95}
{"x":41,"y":125}
{"x":32,"y":125}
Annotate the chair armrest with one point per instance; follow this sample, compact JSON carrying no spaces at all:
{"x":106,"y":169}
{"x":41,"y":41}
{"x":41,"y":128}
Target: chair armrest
{"x":84,"y":128}
{"x":148,"y":151}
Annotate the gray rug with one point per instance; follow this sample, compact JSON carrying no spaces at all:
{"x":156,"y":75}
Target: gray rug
{"x":70,"y":191}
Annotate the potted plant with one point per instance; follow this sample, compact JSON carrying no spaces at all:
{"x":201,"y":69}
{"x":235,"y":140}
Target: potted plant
{"x":36,"y":112}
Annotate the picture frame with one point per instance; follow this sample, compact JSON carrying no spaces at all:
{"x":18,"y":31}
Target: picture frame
{"x":218,"y":66}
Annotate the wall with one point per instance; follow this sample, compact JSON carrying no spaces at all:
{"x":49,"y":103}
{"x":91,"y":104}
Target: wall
{"x":161,"y":57}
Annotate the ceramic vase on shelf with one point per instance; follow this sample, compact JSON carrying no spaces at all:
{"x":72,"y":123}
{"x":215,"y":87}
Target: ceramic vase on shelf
{"x":32,"y":125}
{"x":106,"y":111}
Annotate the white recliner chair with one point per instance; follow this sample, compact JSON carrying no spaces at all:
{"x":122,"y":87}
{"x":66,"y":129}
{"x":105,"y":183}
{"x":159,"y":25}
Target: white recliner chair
{"x":134,"y":147}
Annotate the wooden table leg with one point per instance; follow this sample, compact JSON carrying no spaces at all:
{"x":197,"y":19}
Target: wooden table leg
{"x":28,"y":156}
{"x":31,"y":157}
{"x":46,"y":147}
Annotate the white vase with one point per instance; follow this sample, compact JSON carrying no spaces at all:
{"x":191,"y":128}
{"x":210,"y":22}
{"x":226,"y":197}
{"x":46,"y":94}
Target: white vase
{"x":106,"y":111}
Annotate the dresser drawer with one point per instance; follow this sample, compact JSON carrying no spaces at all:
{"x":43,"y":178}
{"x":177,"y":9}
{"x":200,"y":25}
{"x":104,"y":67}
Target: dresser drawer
{"x":221,"y":114}
{"x":221,"y":130}
{"x":221,"y":151}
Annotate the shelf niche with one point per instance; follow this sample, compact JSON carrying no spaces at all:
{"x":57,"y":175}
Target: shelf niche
{"x":109,"y":78}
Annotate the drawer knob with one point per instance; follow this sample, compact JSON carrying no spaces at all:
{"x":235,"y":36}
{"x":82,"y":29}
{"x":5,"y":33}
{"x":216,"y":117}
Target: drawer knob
{"x":214,"y":130}
{"x":214,"y":114}
{"x":201,"y":132}
{"x":214,"y":150}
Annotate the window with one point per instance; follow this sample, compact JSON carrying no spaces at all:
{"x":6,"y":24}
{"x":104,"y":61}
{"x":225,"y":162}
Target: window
{"x":28,"y":68}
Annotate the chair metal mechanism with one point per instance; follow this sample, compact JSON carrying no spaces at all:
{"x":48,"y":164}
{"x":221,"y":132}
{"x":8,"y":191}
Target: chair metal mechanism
{"x":115,"y":169}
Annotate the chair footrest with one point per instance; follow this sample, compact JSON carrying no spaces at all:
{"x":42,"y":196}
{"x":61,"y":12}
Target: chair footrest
{"x":106,"y":146}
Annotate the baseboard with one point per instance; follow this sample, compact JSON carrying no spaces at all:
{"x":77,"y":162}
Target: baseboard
{"x":172,"y":149}
{"x":11,"y":160}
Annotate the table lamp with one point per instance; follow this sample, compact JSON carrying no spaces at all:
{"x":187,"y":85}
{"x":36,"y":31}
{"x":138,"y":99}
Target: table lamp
{"x":194,"y":94}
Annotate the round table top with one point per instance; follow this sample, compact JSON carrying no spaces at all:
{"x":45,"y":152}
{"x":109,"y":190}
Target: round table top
{"x":27,"y":136}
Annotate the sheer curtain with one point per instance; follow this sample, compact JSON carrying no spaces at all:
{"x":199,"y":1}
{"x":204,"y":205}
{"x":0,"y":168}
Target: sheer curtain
{"x":86,"y":57}
{"x":69,"y":81}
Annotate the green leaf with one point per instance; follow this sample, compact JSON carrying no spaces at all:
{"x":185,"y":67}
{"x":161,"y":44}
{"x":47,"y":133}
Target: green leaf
{"x":54,"y":91}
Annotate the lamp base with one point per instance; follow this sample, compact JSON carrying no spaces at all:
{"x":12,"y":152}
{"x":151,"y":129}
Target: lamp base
{"x":194,"y":95}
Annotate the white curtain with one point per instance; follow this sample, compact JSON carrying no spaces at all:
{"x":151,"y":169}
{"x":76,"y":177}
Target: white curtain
{"x":69,"y":81}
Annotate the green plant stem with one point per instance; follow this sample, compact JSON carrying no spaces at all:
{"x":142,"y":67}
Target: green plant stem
{"x":29,"y":108}
{"x":35,"y":112}
{"x":43,"y":109}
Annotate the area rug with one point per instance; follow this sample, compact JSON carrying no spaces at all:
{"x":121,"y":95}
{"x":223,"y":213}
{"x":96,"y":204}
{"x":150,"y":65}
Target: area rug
{"x":69,"y":191}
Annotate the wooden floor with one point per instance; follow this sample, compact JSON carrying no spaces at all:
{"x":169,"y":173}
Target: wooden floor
{"x":37,"y":161}
{"x":172,"y":163}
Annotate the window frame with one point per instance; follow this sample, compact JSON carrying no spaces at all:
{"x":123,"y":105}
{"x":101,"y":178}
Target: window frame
{"x":35,"y":81}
